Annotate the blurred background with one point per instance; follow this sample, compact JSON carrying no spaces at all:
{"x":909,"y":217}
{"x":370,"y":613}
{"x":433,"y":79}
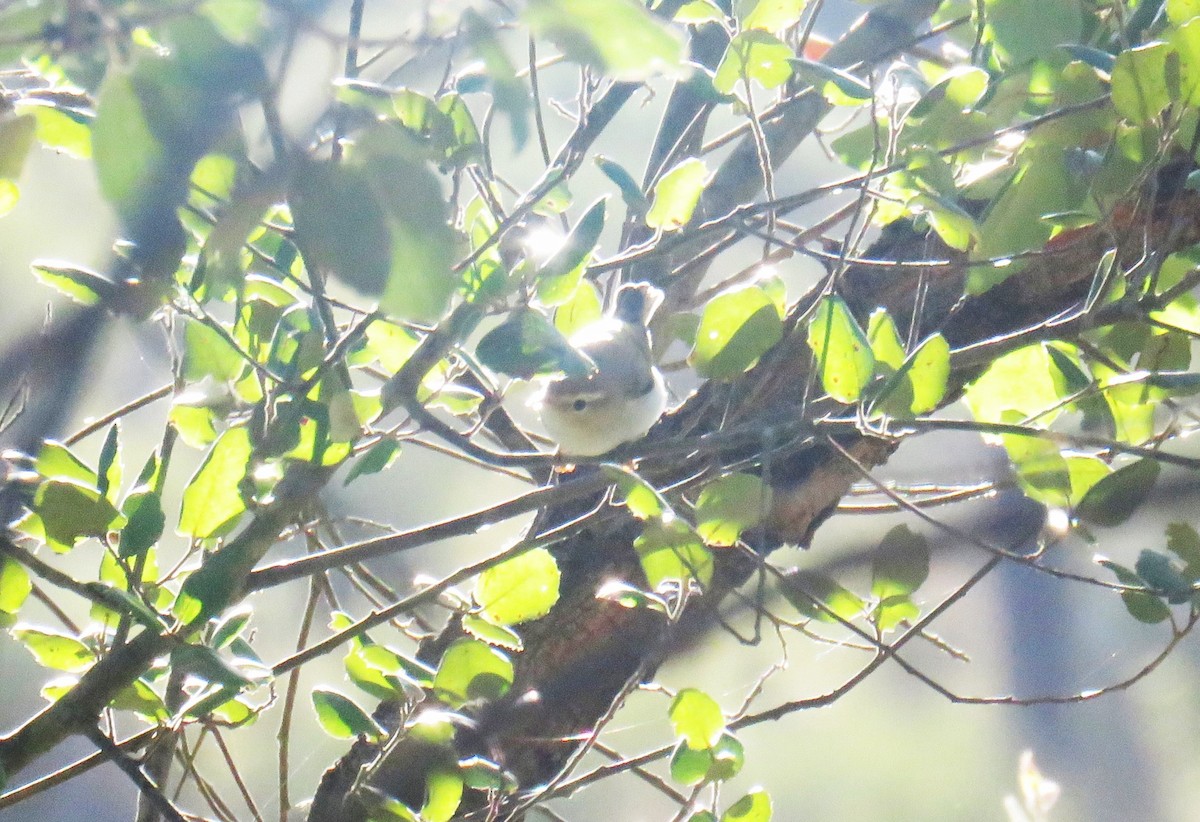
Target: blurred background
{"x":890,"y":749}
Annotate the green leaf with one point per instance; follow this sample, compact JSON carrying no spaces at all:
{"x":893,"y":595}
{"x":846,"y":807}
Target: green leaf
{"x":957,"y":228}
{"x":631,"y":192}
{"x":690,"y":766}
{"x":641,"y":498}
{"x":57,"y":651}
{"x":804,"y":589}
{"x":231,"y":625}
{"x":15,"y":585}
{"x":212,"y":500}
{"x":82,"y":285}
{"x":510,"y":93}
{"x":472,"y":670}
{"x":1112,"y":500}
{"x":930,"y":373}
{"x":1180,"y":11}
{"x":1164,"y":576}
{"x":492,"y":633}
{"x":1186,"y":41}
{"x":352,"y":223}
{"x":1026,"y":30}
{"x":207,"y":353}
{"x":676,"y":194}
{"x":108,"y":472}
{"x":1139,"y":82}
{"x":519,"y":589}
{"x":558,"y":278}
{"x":671,"y":553}
{"x":144,"y":522}
{"x":773,"y":15}
{"x":468,"y":145}
{"x":697,"y":718}
{"x":378,"y":457}
{"x":580,"y":311}
{"x":61,"y":129}
{"x":193,"y":423}
{"x":885,"y":340}
{"x":736,"y":328}
{"x":1183,"y":542}
{"x":372,"y":675}
{"x":730,"y":505}
{"x":619,"y":37}
{"x":205,"y":663}
{"x":342,"y":225}
{"x":901,"y":564}
{"x":920,"y":383}
{"x":396,"y":665}
{"x":838,"y":87}
{"x":140,"y":698}
{"x":10,"y":195}
{"x":70,"y":512}
{"x":753,"y":807}
{"x":1085,"y":472}
{"x":1025,"y":381}
{"x":16,"y":139}
{"x":485,"y":775}
{"x":844,"y":358}
{"x":128,"y":155}
{"x":57,"y":461}
{"x":443,"y":794}
{"x":341,"y":718}
{"x":1042,"y":471}
{"x":1142,"y":605}
{"x":754,"y":55}
{"x":527,"y":345}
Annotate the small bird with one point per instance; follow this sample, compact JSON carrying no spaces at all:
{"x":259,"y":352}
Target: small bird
{"x":619,"y":399}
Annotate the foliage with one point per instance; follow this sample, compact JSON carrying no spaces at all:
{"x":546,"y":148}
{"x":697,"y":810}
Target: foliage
{"x":344,"y":291}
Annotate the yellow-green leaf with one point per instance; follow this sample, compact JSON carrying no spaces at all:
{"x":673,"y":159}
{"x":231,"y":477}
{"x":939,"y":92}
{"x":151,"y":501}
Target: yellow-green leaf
{"x":519,"y":589}
{"x":212,"y":501}
{"x":844,"y":358}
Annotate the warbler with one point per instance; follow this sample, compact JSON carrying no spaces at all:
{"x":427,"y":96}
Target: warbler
{"x":623,"y":395}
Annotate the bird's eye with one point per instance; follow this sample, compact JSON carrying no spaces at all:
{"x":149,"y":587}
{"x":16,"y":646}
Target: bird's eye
{"x":579,"y":405}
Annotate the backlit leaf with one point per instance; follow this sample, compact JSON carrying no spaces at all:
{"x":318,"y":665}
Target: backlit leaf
{"x":844,"y":358}
{"x":70,"y":512}
{"x":82,"y":285}
{"x":212,"y":501}
{"x":697,"y":718}
{"x":754,"y":55}
{"x":519,"y":589}
{"x":736,"y":328}
{"x":728,"y":506}
{"x":671,"y":553}
{"x":57,"y":651}
{"x":472,"y":670}
{"x":676,"y":194}
{"x":1139,"y":83}
{"x":808,"y":591}
{"x":558,"y":278}
{"x":619,"y":37}
{"x":901,"y":564}
{"x":15,"y":585}
{"x":341,"y":718}
{"x":753,"y":807}
{"x":527,"y":345}
{"x":1112,"y":500}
